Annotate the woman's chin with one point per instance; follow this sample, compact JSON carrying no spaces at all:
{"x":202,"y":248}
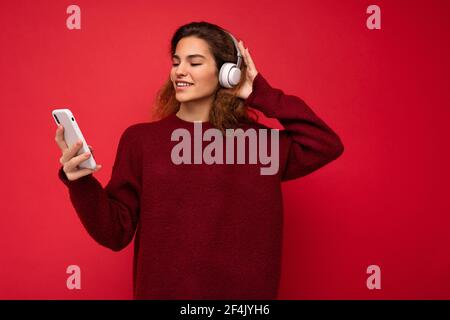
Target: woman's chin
{"x":182,"y":99}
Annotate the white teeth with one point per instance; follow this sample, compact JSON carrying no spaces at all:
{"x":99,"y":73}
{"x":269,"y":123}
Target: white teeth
{"x":183,"y":84}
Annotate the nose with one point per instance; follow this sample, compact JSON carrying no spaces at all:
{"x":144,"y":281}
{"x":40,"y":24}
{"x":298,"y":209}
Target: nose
{"x":180,"y":70}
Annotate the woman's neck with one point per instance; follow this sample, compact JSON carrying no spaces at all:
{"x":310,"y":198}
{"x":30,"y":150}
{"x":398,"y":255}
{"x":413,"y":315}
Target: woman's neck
{"x":195,"y":110}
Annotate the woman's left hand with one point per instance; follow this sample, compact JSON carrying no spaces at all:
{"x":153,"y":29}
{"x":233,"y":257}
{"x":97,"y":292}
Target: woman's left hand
{"x":247,"y":87}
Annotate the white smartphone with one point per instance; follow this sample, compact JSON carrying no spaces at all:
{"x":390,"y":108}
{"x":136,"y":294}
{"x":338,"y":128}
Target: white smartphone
{"x":72,"y":133}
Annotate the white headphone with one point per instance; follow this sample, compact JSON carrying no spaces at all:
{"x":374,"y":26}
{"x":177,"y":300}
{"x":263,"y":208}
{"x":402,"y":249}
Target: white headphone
{"x":230,"y":73}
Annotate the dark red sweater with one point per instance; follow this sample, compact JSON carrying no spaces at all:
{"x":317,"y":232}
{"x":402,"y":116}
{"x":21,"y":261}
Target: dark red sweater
{"x":202,"y":231}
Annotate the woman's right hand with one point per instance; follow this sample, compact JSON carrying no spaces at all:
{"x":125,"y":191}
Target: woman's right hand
{"x":70,"y":160}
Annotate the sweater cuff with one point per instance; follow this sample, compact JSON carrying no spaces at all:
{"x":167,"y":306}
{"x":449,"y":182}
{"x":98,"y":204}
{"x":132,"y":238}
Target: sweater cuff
{"x":75,"y":183}
{"x":261,"y":92}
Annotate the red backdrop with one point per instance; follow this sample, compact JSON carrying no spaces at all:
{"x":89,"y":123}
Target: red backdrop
{"x":385,"y":92}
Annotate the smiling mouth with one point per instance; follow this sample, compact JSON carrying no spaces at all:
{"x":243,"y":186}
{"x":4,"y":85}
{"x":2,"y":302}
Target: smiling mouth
{"x":183,"y":86}
{"x":183,"y":83}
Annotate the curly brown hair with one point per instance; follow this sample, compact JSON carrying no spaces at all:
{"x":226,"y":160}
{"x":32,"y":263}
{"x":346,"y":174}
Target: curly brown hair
{"x":228,"y":111}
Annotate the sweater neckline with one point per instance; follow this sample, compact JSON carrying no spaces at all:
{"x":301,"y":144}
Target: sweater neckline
{"x":178,"y":120}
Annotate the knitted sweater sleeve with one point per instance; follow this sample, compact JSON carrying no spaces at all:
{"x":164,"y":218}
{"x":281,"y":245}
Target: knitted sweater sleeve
{"x":110,"y":214}
{"x":307,"y":143}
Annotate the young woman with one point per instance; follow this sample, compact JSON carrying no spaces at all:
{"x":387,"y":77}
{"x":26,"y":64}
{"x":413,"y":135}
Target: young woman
{"x":203,"y":230}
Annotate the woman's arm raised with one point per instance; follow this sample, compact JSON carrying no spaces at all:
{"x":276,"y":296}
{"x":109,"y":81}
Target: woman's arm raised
{"x":309,"y":142}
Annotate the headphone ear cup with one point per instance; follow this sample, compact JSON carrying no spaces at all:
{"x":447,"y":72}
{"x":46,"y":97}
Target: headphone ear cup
{"x":229,"y":75}
{"x":234,"y":76}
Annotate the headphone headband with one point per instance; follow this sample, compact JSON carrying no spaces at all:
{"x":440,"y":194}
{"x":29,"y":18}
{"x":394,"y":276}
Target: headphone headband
{"x":239,"y":55}
{"x":230,"y":72}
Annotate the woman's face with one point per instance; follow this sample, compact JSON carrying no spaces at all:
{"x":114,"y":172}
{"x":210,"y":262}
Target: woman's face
{"x":193,"y":63}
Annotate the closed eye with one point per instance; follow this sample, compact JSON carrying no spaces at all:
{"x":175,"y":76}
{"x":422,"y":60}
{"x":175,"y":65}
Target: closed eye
{"x":192,"y":64}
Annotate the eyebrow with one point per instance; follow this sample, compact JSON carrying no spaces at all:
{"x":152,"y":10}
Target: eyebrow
{"x":190,"y":56}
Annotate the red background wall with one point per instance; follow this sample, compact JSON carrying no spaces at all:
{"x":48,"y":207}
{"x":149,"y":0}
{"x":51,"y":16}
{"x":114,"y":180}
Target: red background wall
{"x":385,"y":92}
